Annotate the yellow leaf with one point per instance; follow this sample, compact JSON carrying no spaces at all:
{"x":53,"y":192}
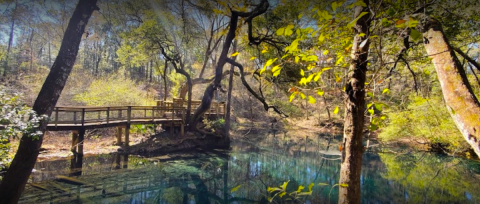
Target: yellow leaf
{"x":235,"y":54}
{"x":264,"y":68}
{"x":302,"y":72}
{"x":321,"y":38}
{"x":386,"y":90}
{"x":235,"y":188}
{"x":297,"y":58}
{"x":317,"y":77}
{"x":280,"y":31}
{"x":252,"y":58}
{"x":325,"y":52}
{"x":282,"y":194}
{"x":312,"y":101}
{"x":263,"y":51}
{"x":361,"y":34}
{"x":300,"y":188}
{"x":302,"y":95}
{"x":320,"y":92}
{"x":284,"y":186}
{"x":276,"y":70}
{"x":292,"y":97}
{"x":335,"y":111}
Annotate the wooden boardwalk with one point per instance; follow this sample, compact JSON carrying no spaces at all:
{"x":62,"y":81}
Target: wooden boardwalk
{"x":169,"y":114}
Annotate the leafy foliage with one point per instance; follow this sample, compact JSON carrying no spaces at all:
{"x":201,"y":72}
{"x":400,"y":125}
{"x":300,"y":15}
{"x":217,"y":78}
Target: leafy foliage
{"x":424,"y":119}
{"x":17,"y":120}
{"x":115,"y":91}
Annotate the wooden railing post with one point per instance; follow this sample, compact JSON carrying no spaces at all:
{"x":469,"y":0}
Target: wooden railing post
{"x":56,"y":116}
{"x":83,"y":117}
{"x":75,"y":117}
{"x":108,"y":115}
{"x":127,"y":127}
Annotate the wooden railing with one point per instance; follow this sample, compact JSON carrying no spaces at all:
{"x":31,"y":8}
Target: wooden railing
{"x":216,"y":108}
{"x":113,"y":114}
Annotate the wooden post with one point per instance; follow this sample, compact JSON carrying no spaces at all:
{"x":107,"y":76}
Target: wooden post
{"x":83,"y":117}
{"x":81,"y":138}
{"x":56,"y":116}
{"x":217,"y":109}
{"x":119,"y":135}
{"x":127,"y":135}
{"x":74,"y":141}
{"x":182,"y":124}
{"x":75,"y":117}
{"x":108,"y":115}
{"x":173,"y":118}
{"x":127,"y":127}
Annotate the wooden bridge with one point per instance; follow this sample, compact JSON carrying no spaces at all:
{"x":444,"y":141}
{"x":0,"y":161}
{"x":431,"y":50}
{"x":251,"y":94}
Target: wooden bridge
{"x":169,"y":114}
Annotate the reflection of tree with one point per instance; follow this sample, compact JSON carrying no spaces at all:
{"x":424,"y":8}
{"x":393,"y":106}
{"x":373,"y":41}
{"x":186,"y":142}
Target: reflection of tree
{"x":431,"y":179}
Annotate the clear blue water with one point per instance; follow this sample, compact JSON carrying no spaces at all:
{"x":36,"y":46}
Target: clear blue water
{"x":243,"y":174}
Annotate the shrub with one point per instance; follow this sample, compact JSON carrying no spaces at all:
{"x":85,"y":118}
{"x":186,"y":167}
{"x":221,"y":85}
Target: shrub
{"x":114,"y":91}
{"x":17,"y":119}
{"x":425,"y":119}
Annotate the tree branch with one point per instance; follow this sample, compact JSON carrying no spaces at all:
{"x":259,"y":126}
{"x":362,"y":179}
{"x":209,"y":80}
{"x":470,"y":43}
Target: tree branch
{"x":244,"y":82}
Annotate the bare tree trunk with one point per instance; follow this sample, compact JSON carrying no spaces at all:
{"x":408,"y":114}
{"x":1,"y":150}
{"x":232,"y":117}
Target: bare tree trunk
{"x":349,"y":189}
{"x":10,"y":41}
{"x":457,"y":92}
{"x":229,"y":97}
{"x":165,"y":90}
{"x":22,"y":165}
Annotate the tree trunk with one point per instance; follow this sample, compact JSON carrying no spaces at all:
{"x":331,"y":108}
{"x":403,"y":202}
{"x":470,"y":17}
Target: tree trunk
{"x":10,"y":41}
{"x":349,"y":189}
{"x":229,"y":96}
{"x":457,"y":92}
{"x":208,"y":94}
{"x":165,"y":90}
{"x":22,"y":165}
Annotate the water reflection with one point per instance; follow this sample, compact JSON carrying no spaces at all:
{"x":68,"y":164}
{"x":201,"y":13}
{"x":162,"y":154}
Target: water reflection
{"x":243,"y":174}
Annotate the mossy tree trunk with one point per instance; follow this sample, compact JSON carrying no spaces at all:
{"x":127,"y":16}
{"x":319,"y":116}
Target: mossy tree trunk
{"x":17,"y":175}
{"x":457,"y":92}
{"x":349,"y":189}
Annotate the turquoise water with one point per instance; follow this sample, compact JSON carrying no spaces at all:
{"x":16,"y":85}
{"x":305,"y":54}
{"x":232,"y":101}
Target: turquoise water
{"x":243,"y":174}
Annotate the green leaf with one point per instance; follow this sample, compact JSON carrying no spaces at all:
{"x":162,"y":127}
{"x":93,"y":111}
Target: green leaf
{"x":292,"y":97}
{"x":415,"y":35}
{"x":334,"y":5}
{"x":370,"y":94}
{"x":320,"y":92}
{"x":352,"y":23}
{"x":311,"y":100}
{"x":235,"y":188}
{"x":288,"y":30}
{"x":335,"y":111}
{"x":378,"y":106}
{"x":391,"y":11}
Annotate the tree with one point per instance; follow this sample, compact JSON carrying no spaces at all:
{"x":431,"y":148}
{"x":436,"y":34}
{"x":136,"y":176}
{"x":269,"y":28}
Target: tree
{"x":215,"y":85}
{"x":457,"y":92}
{"x":28,"y":150}
{"x":351,"y":166}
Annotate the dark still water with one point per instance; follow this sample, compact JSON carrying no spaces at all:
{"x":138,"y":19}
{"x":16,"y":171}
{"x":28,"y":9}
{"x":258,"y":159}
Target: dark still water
{"x":244,"y":173}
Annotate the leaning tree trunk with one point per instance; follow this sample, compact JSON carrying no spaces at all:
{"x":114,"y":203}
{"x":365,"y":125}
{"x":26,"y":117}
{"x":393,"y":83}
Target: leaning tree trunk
{"x":349,"y":189}
{"x":208,"y":94}
{"x":22,"y":165}
{"x":459,"y":97}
